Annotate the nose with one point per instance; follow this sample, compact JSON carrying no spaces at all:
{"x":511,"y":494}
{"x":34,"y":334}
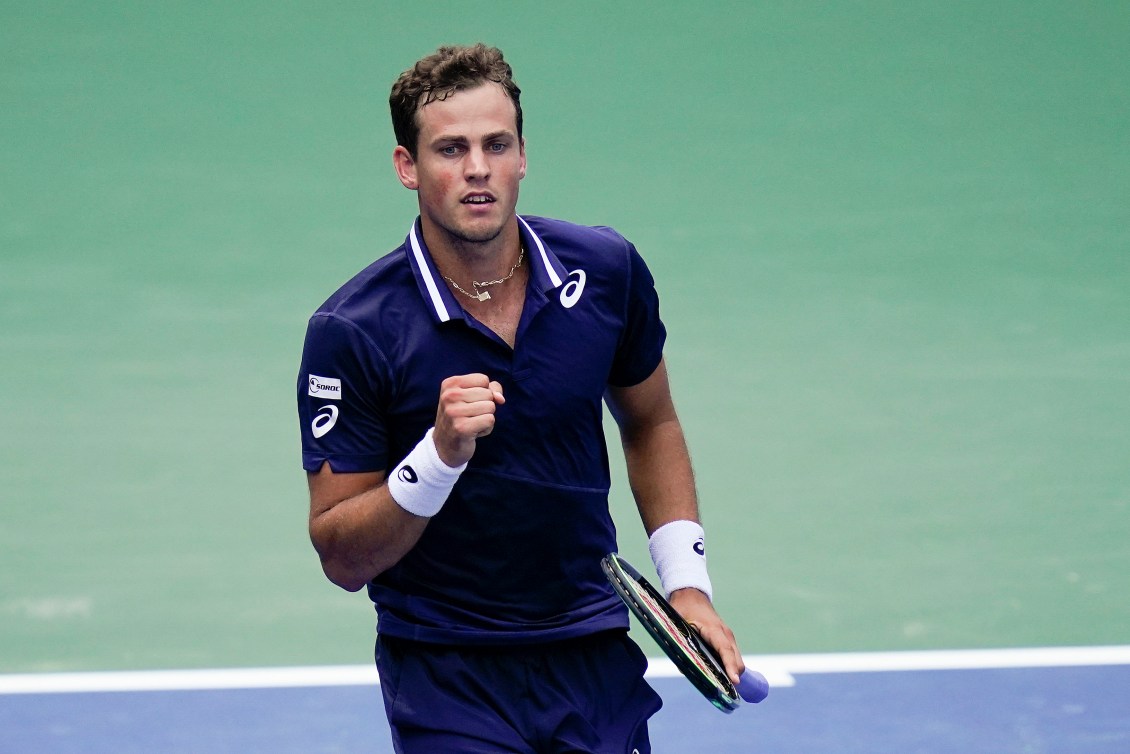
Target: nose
{"x":476,"y":165}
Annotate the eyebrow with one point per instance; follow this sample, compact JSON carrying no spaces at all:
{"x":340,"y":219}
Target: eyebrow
{"x":492,"y":136}
{"x":505,"y":133}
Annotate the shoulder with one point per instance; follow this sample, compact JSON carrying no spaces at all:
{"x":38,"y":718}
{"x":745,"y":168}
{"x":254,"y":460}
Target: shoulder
{"x":374,"y":304}
{"x":576,"y":244}
{"x":599,"y":252}
{"x":373,"y":285}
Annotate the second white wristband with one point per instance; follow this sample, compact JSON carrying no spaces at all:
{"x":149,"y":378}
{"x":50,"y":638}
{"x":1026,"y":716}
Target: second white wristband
{"x":679,"y":552}
{"x":421,"y":483}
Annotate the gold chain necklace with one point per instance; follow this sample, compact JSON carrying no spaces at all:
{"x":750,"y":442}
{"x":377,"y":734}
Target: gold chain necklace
{"x":484,"y":295}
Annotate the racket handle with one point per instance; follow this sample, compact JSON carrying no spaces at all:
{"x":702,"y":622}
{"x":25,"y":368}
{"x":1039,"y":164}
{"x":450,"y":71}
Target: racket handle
{"x":752,"y":686}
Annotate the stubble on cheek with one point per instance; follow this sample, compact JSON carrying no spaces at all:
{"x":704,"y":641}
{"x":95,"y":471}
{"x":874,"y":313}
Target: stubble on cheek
{"x":436,"y":195}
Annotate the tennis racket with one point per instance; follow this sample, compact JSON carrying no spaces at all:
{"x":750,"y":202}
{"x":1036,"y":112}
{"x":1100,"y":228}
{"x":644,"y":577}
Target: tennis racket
{"x":681,"y":641}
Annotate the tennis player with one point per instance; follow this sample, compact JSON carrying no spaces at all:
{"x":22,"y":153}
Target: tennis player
{"x":450,"y":400}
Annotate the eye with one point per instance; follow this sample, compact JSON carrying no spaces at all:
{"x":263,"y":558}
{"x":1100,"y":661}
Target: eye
{"x":450,"y":150}
{"x":497,"y":147}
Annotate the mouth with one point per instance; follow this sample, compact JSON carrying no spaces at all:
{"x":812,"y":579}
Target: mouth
{"x":478,"y":199}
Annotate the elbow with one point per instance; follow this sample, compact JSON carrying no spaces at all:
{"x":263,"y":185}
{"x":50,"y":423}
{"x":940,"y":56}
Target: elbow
{"x":341,"y":567}
{"x":339,"y":574}
{"x":347,"y":582}
{"x":349,"y":573}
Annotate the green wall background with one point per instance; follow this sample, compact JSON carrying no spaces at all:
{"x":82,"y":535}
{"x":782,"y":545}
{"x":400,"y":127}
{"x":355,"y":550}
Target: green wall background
{"x":891,"y":240}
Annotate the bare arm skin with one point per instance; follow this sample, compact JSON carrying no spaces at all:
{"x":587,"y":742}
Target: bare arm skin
{"x":659,"y":472}
{"x":356,"y":527}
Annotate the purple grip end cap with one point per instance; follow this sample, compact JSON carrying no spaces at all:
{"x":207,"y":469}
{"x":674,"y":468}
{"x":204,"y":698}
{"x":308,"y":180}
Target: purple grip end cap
{"x":752,"y":686}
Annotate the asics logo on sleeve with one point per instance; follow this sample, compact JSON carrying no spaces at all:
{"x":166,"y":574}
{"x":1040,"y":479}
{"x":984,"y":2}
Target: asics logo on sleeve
{"x":324,"y":421}
{"x":325,"y":387}
{"x":572,"y":291}
{"x":700,"y":547}
{"x":408,"y":474}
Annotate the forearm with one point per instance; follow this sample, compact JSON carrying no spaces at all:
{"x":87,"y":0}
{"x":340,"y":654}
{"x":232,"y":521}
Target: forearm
{"x":362,"y":536}
{"x":362,"y":524}
{"x":659,"y":471}
{"x":660,"y":474}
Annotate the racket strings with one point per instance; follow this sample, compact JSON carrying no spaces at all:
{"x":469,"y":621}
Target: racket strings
{"x":682,"y":636}
{"x":682,"y":644}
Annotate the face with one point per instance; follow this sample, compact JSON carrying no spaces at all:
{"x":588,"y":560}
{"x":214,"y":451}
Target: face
{"x":468,"y":163}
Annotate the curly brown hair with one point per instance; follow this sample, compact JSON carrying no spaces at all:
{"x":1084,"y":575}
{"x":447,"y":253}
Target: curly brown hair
{"x":439,"y":75}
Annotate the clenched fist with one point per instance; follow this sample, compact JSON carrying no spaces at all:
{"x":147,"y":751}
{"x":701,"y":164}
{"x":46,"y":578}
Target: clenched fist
{"x":465,"y":413}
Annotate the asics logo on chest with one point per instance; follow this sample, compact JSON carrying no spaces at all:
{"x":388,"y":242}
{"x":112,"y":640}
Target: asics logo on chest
{"x":572,"y":291}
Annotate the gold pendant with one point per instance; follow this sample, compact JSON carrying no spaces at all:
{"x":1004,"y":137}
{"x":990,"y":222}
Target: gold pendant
{"x":481,"y":296}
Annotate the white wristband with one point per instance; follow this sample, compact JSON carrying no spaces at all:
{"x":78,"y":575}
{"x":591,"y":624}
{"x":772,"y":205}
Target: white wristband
{"x":421,"y":482}
{"x":679,"y":554}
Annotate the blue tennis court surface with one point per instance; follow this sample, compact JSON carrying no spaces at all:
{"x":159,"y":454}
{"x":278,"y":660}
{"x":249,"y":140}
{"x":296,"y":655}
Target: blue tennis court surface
{"x":987,"y":702}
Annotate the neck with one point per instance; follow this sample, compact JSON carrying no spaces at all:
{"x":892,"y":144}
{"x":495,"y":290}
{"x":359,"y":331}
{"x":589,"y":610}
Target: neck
{"x":467,"y":260}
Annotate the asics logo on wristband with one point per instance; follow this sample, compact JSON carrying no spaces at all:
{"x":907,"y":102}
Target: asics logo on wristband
{"x":700,"y":548}
{"x":408,"y":474}
{"x":324,"y":421}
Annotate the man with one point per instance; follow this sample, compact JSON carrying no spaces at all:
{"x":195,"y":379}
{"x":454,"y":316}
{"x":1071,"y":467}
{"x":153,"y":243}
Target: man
{"x":450,"y":399}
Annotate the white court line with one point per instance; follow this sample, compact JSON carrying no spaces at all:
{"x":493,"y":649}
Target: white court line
{"x":779,"y":670}
{"x":783,"y":667}
{"x":189,"y":680}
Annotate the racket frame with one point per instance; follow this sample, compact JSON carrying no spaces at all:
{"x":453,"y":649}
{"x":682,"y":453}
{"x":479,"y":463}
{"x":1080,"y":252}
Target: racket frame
{"x":711,"y":683}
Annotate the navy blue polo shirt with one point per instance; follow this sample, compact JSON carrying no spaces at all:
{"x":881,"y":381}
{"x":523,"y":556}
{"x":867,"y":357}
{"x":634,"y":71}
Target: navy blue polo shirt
{"x":514,"y":554}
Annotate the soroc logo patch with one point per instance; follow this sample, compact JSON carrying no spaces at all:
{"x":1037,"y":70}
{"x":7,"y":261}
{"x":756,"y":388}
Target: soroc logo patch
{"x":325,"y":387}
{"x":324,"y":421}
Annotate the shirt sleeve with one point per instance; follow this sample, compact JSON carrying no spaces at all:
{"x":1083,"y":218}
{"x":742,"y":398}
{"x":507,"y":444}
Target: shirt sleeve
{"x":342,"y":390}
{"x":641,"y":344}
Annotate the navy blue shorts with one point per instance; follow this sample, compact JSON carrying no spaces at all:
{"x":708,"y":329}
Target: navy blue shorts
{"x":581,"y":695}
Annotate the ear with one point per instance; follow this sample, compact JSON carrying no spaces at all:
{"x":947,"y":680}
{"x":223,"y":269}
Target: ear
{"x":522,"y":153}
{"x":405,"y":166}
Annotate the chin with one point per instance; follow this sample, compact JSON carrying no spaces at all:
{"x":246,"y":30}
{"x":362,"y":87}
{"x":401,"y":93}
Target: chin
{"x":478,"y":233}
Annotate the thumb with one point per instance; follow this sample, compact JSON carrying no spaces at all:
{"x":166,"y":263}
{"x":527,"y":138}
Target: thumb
{"x":496,"y":388}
